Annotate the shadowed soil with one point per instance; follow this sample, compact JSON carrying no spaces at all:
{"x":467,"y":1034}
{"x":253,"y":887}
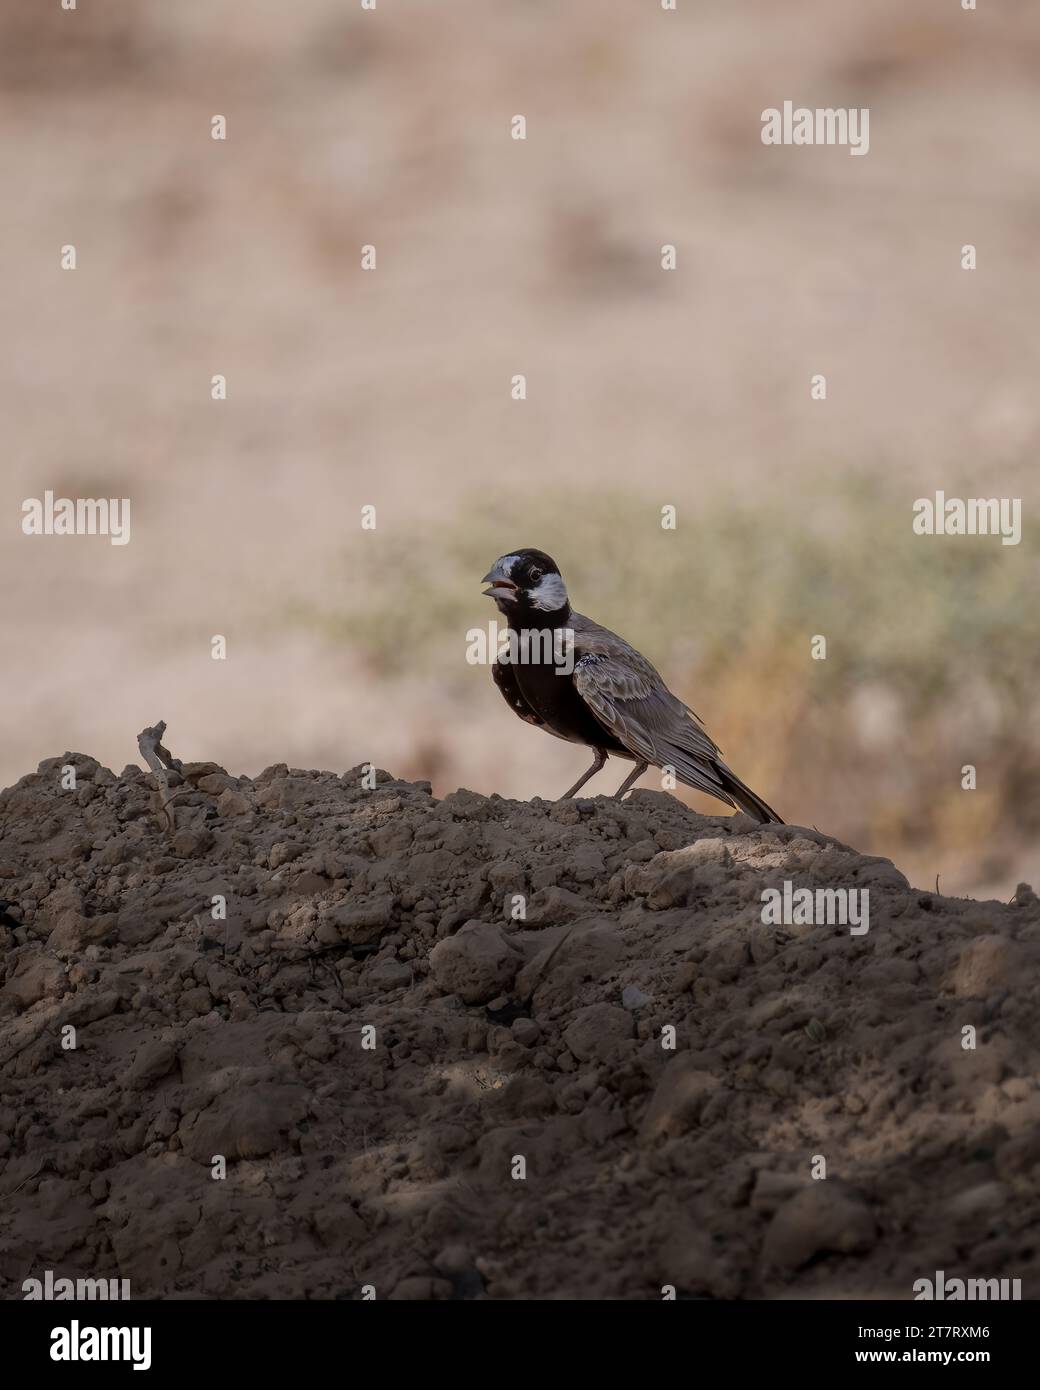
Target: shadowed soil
{"x":432,"y":1040}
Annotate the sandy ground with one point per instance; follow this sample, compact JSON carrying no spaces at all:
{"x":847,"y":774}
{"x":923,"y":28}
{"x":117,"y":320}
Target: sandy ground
{"x":414,"y":1089}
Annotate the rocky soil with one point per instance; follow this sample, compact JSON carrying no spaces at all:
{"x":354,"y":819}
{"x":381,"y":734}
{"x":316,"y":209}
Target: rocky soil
{"x":433,"y":1042}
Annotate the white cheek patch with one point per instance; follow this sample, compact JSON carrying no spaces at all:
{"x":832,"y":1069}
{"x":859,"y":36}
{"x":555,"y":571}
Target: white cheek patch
{"x":549,"y":594}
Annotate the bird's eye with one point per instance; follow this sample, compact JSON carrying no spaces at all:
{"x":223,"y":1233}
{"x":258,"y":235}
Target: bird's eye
{"x":535,"y":576}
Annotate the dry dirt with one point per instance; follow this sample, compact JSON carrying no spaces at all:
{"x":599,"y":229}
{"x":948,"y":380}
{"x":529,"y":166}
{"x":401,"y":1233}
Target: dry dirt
{"x":495,"y":1040}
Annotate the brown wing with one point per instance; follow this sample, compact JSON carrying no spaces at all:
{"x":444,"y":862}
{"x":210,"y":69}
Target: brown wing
{"x":628,"y":697}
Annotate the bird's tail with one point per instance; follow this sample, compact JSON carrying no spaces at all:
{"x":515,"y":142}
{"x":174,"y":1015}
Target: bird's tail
{"x":745,"y":798}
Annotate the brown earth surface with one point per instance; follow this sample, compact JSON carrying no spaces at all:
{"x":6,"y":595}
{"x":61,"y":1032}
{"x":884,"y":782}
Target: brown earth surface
{"x":543,"y":1038}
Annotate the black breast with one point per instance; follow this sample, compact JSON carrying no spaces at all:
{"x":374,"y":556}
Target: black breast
{"x":553,"y":698}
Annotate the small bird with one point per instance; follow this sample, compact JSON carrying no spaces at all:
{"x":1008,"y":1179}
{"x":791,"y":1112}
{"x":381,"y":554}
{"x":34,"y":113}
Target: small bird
{"x":587,"y":685}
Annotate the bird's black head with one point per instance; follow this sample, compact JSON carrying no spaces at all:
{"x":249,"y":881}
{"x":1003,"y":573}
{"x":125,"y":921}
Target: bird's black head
{"x":527,"y":583}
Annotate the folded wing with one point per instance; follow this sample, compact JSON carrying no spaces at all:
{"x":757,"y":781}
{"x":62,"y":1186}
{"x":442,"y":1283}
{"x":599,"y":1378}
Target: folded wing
{"x":629,"y":698}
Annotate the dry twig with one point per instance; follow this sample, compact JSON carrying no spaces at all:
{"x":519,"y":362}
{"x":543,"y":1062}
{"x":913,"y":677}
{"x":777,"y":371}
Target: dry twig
{"x":162,"y":763}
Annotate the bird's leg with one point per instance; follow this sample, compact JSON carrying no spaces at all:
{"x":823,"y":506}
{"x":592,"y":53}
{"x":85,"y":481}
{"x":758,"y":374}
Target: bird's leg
{"x":640,"y":768}
{"x":601,"y":758}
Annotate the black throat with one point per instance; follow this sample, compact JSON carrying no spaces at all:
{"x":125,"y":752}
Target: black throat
{"x":520,"y":615}
{"x":545,"y":664}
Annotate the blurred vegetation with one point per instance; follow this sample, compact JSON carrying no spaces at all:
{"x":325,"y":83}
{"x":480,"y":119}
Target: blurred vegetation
{"x":933,"y":644}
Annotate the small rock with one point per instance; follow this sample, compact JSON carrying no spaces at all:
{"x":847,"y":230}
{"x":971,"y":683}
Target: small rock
{"x":36,"y":978}
{"x":976,"y":1201}
{"x":551,"y":906}
{"x":986,"y":965}
{"x":476,"y":963}
{"x":389,"y":974}
{"x":151,"y":1063}
{"x":73,"y":930}
{"x":822,"y":1218}
{"x":284,"y":853}
{"x":526,"y":1031}
{"x":681,"y":1095}
{"x":597,"y":1032}
{"x":361,"y":923}
{"x":187,"y":844}
{"x":233,"y":803}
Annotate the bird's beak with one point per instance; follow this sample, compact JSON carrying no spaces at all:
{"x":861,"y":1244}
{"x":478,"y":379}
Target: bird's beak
{"x":501,"y":585}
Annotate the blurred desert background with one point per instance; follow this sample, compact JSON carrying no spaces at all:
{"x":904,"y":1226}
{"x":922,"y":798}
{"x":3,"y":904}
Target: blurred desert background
{"x":645,"y":388}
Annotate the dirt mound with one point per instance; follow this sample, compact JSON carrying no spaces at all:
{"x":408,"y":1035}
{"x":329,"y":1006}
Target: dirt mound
{"x":480,"y":1048}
